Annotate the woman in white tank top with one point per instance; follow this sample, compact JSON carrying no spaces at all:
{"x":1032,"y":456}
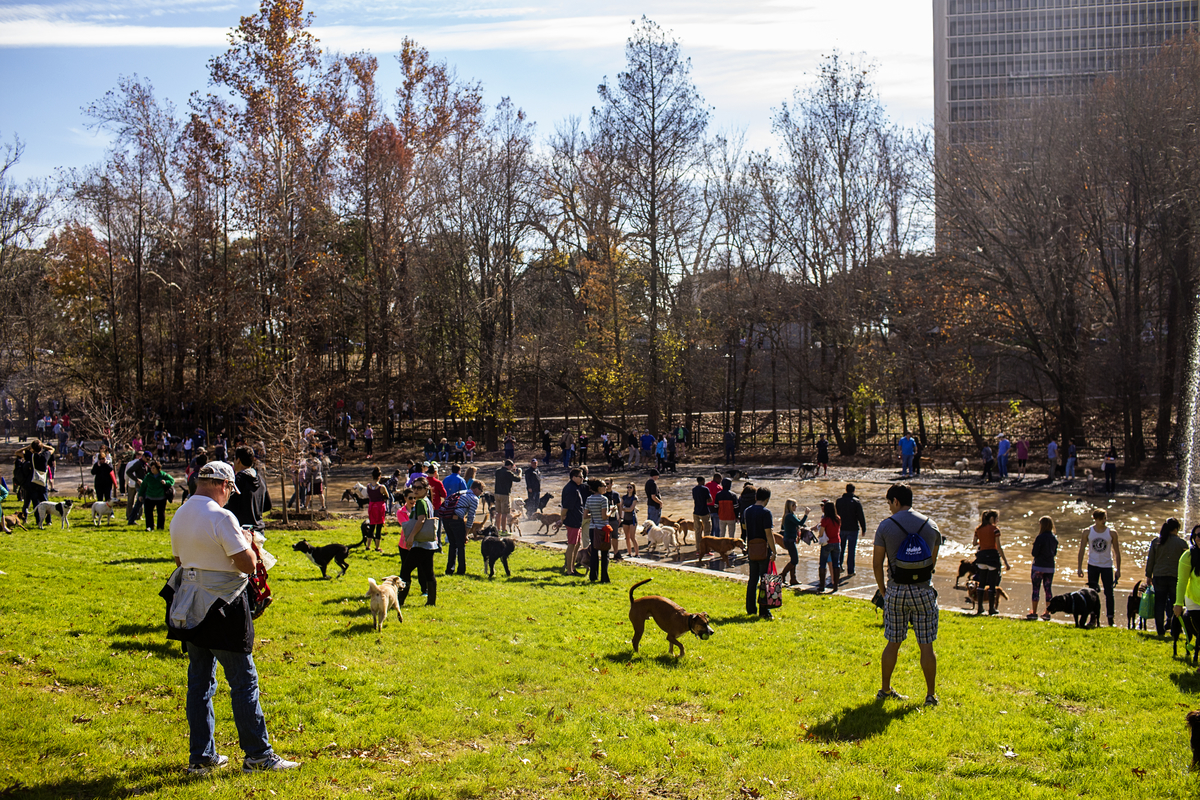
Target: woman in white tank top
{"x":1103,"y":550}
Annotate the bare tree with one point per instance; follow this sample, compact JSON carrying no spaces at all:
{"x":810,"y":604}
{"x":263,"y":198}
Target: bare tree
{"x":656,"y":120}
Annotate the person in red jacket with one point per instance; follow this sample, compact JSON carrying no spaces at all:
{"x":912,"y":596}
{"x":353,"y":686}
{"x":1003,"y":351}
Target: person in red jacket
{"x":437,"y":492}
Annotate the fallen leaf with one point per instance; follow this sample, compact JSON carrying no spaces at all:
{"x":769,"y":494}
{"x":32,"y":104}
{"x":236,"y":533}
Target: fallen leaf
{"x":1141,"y":773}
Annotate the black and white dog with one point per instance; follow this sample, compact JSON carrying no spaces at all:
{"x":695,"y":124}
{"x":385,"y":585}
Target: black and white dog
{"x":1084,"y":605}
{"x":321,"y":556}
{"x":494,"y":548}
{"x":44,"y":512}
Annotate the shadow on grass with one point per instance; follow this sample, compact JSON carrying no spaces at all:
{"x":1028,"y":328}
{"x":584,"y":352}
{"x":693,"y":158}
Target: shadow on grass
{"x":137,"y":630}
{"x":1187,"y":681}
{"x":360,"y":629}
{"x":130,"y":782}
{"x":627,"y":656}
{"x":141,"y":560}
{"x":164,"y":649}
{"x":861,"y":722}
{"x":734,"y":619}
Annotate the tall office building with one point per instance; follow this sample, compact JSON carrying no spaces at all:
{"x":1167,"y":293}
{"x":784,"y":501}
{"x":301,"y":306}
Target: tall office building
{"x":989,"y":53}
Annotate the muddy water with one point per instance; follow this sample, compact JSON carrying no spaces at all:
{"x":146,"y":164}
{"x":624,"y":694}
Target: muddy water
{"x":957,"y":512}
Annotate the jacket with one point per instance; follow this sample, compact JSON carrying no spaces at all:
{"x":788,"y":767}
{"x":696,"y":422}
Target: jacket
{"x":209,"y":609}
{"x":1187,"y":585}
{"x":1163,"y":559}
{"x":154,"y":487}
{"x":1045,"y":549}
{"x":851,"y":512}
{"x":253,"y":500}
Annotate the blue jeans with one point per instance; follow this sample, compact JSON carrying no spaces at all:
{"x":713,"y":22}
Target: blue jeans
{"x":654,"y":514}
{"x":1071,"y":468}
{"x":715,"y":528}
{"x":243,"y":694}
{"x":906,"y":462}
{"x":1002,"y":462}
{"x":849,"y":544}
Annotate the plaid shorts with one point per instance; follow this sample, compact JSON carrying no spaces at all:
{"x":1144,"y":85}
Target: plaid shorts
{"x":916,"y":604}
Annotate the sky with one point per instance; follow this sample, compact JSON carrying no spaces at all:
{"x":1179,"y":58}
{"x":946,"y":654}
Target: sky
{"x":548,"y":57}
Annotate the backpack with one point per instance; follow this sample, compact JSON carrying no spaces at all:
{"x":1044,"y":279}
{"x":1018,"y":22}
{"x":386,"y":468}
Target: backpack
{"x":914,"y":560}
{"x":449,"y":507}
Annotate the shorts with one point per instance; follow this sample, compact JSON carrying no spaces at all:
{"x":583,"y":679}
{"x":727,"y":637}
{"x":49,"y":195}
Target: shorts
{"x":572,"y":535}
{"x":376,"y":513}
{"x":317,"y":488}
{"x":629,"y":519}
{"x":916,"y":605}
{"x":502,"y":506}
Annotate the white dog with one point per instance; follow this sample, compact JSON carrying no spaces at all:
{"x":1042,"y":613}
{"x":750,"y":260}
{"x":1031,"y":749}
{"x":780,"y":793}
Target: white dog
{"x":962,"y":467}
{"x":384,"y":598}
{"x":101,"y":509}
{"x":45,"y":511}
{"x":665,"y":535}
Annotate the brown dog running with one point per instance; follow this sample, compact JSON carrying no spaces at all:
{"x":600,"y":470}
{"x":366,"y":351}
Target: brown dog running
{"x":718,"y":544}
{"x":546,"y":520}
{"x":669,"y":616}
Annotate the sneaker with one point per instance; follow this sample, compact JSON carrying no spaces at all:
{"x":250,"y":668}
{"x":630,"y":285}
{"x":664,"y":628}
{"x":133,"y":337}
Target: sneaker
{"x":1032,"y":615}
{"x":271,"y":763}
{"x":931,"y":701}
{"x":992,"y":612}
{"x":889,"y":694}
{"x":1047,"y":616}
{"x":205,"y":767}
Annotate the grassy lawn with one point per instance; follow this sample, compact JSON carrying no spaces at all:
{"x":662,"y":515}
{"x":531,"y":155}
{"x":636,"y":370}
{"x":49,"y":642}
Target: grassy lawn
{"x":527,"y":687}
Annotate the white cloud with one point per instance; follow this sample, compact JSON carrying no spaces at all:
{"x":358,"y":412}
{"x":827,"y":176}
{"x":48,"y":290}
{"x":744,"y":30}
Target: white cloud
{"x":46,"y":33}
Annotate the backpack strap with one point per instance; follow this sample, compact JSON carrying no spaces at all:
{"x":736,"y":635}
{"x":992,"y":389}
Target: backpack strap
{"x":892,"y":519}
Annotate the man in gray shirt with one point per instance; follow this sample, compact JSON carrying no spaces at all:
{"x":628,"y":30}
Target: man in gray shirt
{"x":908,"y":597}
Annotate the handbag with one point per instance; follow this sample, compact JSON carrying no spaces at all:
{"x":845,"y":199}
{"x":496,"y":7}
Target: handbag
{"x":602,"y":538}
{"x":770,"y":588}
{"x":757,"y":550}
{"x":427,"y":532}
{"x":823,"y":539}
{"x":40,"y":477}
{"x":1146,"y":606}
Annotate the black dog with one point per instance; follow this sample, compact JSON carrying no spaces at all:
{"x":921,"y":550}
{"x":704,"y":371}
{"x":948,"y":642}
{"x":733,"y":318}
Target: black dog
{"x":494,"y":548}
{"x":321,"y":556}
{"x":487,"y":502}
{"x":1193,"y":721}
{"x":966,"y":568}
{"x":1186,"y":628}
{"x":544,"y":500}
{"x":1084,"y":605}
{"x":1133,"y":619}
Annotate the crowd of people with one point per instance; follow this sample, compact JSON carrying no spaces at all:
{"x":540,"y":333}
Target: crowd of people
{"x":1061,"y":462}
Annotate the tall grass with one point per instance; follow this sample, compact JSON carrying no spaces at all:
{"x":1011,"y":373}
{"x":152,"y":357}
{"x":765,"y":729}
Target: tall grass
{"x":527,"y":687}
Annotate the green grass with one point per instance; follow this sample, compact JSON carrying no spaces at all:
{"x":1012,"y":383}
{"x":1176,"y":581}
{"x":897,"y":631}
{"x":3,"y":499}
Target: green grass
{"x":527,"y":687}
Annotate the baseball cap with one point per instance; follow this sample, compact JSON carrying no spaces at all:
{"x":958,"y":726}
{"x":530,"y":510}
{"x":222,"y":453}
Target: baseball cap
{"x":147,"y":454}
{"x":218,"y":471}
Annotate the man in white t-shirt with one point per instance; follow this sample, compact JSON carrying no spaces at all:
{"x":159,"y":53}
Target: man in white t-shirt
{"x":214,"y":557}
